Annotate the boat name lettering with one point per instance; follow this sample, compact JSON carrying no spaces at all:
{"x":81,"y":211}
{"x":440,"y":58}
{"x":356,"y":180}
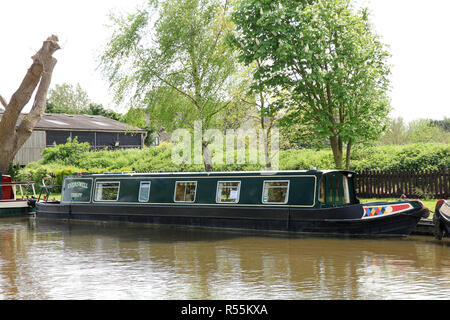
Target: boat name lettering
{"x":78,"y":184}
{"x":76,"y":195}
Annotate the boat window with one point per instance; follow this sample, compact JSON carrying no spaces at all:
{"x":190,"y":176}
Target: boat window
{"x":334,"y":189}
{"x":228,"y":191}
{"x":107,"y":191}
{"x":144,"y":191}
{"x":330,"y":193}
{"x":185,"y":191}
{"x":322,"y":190}
{"x":346,"y":189}
{"x":275,"y":191}
{"x":338,"y":187}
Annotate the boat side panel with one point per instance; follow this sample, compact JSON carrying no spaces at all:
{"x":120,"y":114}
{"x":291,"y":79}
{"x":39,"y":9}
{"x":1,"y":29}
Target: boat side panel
{"x":302,"y":189}
{"x":326,"y":221}
{"x":221,"y":217}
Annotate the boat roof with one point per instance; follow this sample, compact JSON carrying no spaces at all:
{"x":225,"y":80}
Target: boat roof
{"x":213,"y":173}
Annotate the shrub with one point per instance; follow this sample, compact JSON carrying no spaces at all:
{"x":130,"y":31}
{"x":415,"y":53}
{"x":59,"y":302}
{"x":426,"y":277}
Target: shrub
{"x":69,"y":153}
{"x":73,"y":157}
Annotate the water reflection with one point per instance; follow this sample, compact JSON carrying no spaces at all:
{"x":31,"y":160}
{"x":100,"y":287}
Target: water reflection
{"x":51,"y":259}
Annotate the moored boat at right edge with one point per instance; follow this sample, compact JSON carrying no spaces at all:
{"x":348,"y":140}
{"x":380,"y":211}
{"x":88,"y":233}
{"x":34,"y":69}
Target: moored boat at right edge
{"x":441,"y":219}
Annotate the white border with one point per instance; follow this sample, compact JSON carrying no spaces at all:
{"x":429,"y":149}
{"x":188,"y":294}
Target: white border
{"x":13,"y":204}
{"x":239,"y":191}
{"x":175,"y":191}
{"x":135,"y":177}
{"x":95,"y":191}
{"x":77,"y":178}
{"x":148,"y":193}
{"x":287,"y":193}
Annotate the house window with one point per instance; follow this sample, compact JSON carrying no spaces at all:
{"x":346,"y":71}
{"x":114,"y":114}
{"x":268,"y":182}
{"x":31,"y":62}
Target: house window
{"x":228,"y":191}
{"x":144,"y":191}
{"x":185,"y":191}
{"x":107,"y":191}
{"x":275,"y":191}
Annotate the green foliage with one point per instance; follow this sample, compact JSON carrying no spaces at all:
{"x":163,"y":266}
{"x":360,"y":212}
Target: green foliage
{"x":68,"y":153}
{"x":60,"y":173}
{"x":154,"y":159}
{"x":66,"y":98}
{"x":443,"y":124}
{"x":137,"y":117}
{"x":419,"y":131}
{"x":405,"y":157}
{"x":178,"y":65}
{"x":304,"y":159}
{"x":98,"y":110}
{"x":13,"y":170}
{"x":323,"y":62}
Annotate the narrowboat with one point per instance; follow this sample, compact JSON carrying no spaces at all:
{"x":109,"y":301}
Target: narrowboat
{"x":441,"y":219}
{"x":11,"y":204}
{"x":312,"y":201}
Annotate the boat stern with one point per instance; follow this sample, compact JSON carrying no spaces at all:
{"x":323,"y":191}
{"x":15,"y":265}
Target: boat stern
{"x":441,"y":219}
{"x":414,"y":208}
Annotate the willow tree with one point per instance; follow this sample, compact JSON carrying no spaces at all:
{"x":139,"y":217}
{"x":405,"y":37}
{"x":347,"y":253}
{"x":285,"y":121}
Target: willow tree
{"x":13,"y":134}
{"x":325,"y":64}
{"x":172,"y":58}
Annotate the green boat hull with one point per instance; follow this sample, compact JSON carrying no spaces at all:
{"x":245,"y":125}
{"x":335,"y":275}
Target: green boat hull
{"x":15,"y":212}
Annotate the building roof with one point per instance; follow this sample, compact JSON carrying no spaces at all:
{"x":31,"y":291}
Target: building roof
{"x":80,"y":122}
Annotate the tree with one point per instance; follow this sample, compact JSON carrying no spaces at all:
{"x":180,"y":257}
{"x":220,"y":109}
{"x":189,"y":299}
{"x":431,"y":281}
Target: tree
{"x":418,"y":131}
{"x":325,"y":64}
{"x":98,"y":110}
{"x":13,"y":136}
{"x":425,"y":131}
{"x":137,"y":117}
{"x":396,"y":132}
{"x":182,"y":57}
{"x":70,"y":99}
{"x":66,"y":98}
{"x":444,"y":124}
{"x":264,"y":113}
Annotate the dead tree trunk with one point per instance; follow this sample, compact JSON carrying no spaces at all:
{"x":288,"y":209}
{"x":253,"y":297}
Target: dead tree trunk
{"x":12,"y":134}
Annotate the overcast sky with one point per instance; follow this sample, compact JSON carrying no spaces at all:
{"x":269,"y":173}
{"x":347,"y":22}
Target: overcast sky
{"x":418,"y":33}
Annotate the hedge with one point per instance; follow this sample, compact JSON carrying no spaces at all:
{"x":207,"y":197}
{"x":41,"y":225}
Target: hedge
{"x":61,"y":160}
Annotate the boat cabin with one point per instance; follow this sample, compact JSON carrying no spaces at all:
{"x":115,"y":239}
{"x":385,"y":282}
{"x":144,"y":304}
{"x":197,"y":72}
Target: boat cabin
{"x":308,"y":189}
{"x":8,"y":188}
{"x":6,"y":191}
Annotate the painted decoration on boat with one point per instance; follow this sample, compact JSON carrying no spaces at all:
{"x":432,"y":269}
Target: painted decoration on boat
{"x":379,"y":210}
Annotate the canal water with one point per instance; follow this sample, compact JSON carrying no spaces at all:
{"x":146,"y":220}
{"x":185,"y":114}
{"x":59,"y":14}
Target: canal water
{"x":46,"y":259}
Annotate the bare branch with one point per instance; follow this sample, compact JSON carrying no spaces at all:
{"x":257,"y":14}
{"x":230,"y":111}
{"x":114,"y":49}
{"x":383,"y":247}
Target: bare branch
{"x":3,"y":101}
{"x":40,"y":72}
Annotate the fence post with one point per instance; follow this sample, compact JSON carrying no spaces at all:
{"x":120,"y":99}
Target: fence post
{"x":412,"y":183}
{"x":445,"y":178}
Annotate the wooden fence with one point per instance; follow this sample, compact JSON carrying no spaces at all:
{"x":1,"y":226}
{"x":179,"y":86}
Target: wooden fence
{"x":434,"y":184}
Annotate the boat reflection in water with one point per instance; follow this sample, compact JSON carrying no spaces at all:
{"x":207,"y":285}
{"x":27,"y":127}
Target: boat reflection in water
{"x":321,"y":202}
{"x":113,"y":260}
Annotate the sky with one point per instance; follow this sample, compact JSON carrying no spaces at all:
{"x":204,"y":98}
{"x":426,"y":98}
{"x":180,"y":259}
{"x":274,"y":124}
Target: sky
{"x":416,"y":31}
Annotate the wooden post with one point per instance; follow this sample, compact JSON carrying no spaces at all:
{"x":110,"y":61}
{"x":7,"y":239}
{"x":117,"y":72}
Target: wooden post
{"x":446,"y":180}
